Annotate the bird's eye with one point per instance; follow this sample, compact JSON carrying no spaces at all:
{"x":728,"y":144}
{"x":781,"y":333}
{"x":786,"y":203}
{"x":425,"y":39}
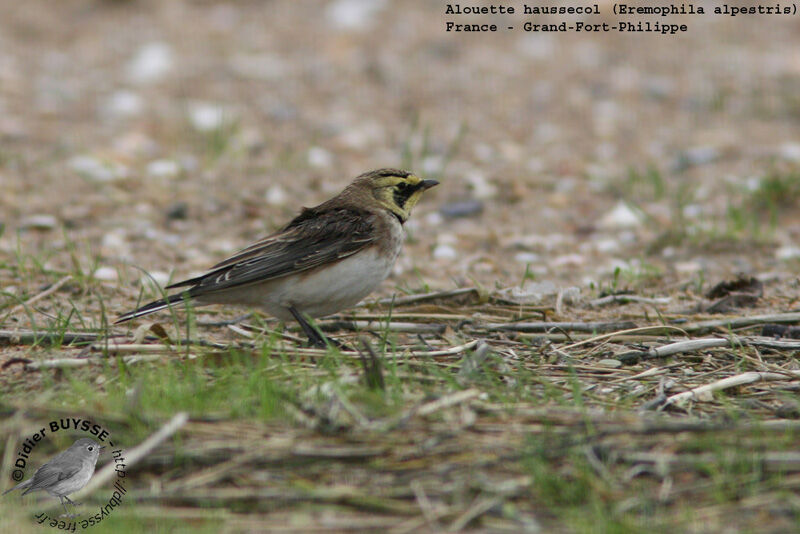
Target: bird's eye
{"x":90,"y":448}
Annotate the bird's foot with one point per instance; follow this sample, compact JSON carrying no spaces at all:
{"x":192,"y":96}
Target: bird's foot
{"x":323,"y":342}
{"x":315,"y":337}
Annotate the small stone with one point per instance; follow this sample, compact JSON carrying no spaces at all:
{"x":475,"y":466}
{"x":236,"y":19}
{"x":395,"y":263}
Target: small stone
{"x":151,"y":63}
{"x":96,"y":170}
{"x":39,"y":222}
{"x":610,"y":363}
{"x":571,"y":295}
{"x":530,"y":293}
{"x":275,"y":196}
{"x":432,"y":219}
{"x":790,"y":151}
{"x":787,"y":252}
{"x":353,"y":14}
{"x":622,"y":216}
{"x":178,"y":211}
{"x":687,"y":267}
{"x":481,"y":188}
{"x":319,"y":157}
{"x":207,"y":117}
{"x":115,"y":244}
{"x":123,"y":104}
{"x":106,"y":274}
{"x":693,"y":211}
{"x":527,"y":257}
{"x":444,"y":252}
{"x":606,"y":246}
{"x":568,"y":259}
{"x":159,"y":277}
{"x":464,"y":208}
{"x":163,"y":168}
{"x":701,"y":155}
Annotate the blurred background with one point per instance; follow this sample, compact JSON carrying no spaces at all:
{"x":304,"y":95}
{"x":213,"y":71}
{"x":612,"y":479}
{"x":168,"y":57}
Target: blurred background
{"x":171,"y":133}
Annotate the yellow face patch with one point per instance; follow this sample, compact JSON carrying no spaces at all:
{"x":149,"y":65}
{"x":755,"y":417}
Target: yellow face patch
{"x":400,"y":193}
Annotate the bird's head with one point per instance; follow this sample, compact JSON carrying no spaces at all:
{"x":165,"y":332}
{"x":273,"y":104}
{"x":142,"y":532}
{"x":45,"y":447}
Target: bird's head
{"x":88,"y":448}
{"x":395,"y":190}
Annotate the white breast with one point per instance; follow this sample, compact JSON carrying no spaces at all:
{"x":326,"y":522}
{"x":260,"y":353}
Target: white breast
{"x":321,"y":291}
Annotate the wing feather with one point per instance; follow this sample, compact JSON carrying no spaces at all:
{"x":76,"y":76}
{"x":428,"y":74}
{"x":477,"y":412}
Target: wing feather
{"x":311,"y":240}
{"x":51,"y":473}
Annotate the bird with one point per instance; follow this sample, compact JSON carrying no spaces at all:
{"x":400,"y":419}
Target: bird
{"x":326,"y":259}
{"x":67,"y":472}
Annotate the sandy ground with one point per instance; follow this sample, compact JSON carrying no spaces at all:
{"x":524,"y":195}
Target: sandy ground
{"x":162,"y":136}
{"x":166,"y":135}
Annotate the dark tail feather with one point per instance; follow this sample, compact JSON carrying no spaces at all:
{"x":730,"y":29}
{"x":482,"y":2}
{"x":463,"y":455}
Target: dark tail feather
{"x":150,"y":308}
{"x":20,"y":486}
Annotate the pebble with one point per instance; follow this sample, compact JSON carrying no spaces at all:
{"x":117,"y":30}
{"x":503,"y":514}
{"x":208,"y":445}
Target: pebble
{"x":687,"y":267}
{"x":151,"y":63}
{"x":622,"y":216}
{"x":568,"y":259}
{"x":790,"y":151}
{"x":163,"y":168}
{"x":571,"y":295}
{"x":275,"y":196}
{"x":481,"y":188}
{"x":96,"y":170}
{"x":160,"y":277}
{"x":353,"y":14}
{"x":609,"y":363}
{"x":464,"y":208}
{"x":527,"y":257}
{"x":606,"y":246}
{"x":114,"y":244}
{"x":530,"y":293}
{"x":787,"y":252}
{"x":123,"y":104}
{"x":692,"y":157}
{"x":319,"y":157}
{"x":106,"y":274}
{"x":433,"y":219}
{"x":39,"y":222}
{"x":444,"y":252}
{"x":693,"y":211}
{"x":178,"y":211}
{"x":206,"y":117}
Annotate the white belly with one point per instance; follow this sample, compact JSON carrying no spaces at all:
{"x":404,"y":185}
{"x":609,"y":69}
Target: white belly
{"x":318,"y":292}
{"x":329,"y":290}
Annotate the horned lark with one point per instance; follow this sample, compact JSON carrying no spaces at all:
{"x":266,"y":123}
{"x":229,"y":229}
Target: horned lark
{"x":327,"y":258}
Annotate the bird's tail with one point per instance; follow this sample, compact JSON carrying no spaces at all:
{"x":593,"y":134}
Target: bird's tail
{"x":154,"y":306}
{"x":19,"y":486}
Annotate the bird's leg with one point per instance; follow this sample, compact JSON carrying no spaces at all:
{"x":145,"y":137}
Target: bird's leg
{"x":73,"y":503}
{"x":315,"y":338}
{"x":66,"y":512}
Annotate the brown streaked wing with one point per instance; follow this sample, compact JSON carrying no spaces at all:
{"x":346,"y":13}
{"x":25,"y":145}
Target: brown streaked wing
{"x":306,"y":243}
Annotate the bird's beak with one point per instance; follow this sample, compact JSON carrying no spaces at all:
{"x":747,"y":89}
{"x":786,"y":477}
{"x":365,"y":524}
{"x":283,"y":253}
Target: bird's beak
{"x":427,"y":184}
{"x":102,"y":448}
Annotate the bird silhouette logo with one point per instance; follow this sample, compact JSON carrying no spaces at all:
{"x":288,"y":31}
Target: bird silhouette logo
{"x":66,"y":473}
